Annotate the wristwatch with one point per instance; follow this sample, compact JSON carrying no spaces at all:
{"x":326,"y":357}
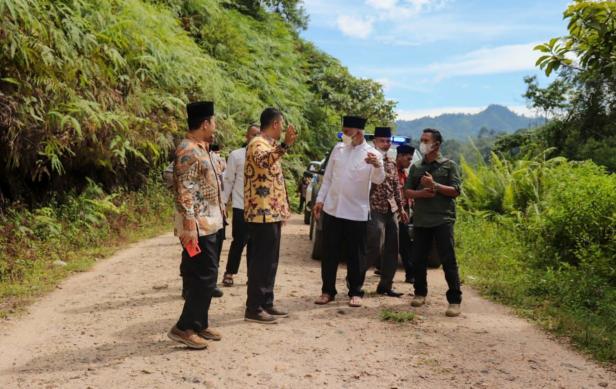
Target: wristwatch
{"x":435,"y":187}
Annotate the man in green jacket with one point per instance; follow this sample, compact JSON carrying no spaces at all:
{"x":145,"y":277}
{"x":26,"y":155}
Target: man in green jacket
{"x":434,"y":183}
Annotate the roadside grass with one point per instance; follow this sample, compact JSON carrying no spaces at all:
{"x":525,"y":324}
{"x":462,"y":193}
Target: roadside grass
{"x":397,"y":316}
{"x":78,"y":232}
{"x":494,"y":260}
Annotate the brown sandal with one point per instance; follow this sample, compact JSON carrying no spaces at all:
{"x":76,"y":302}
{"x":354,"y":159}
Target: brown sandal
{"x":324,"y":299}
{"x":227,"y":280}
{"x":355,"y":302}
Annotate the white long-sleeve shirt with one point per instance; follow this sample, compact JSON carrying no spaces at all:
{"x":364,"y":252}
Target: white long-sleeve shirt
{"x":233,"y":178}
{"x":345,"y":190}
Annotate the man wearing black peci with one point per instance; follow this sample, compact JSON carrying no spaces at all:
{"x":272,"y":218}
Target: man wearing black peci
{"x":344,"y":198}
{"x":198,"y":218}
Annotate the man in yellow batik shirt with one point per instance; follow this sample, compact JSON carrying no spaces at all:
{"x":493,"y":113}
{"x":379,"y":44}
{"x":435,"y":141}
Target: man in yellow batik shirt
{"x":266,"y":207}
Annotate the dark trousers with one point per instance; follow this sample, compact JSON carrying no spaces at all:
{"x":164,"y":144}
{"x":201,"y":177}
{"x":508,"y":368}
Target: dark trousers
{"x":406,"y":250}
{"x":240,"y":239}
{"x":220,"y":240}
{"x":443,"y":236}
{"x":351,"y":235}
{"x":262,"y":257}
{"x":383,"y":246}
{"x":199,"y":275}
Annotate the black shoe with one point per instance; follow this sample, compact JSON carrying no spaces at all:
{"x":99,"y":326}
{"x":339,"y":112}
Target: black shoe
{"x":260,"y":317}
{"x":390,"y":293}
{"x":217,"y":292}
{"x":276,"y":312}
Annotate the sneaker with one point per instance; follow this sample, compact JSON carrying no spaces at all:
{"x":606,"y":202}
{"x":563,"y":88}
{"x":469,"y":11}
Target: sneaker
{"x":210,"y":334}
{"x":418,"y":301}
{"x":260,"y":317}
{"x":453,"y":310}
{"x":188,"y":337}
{"x":217,"y":292}
{"x":274,"y":311}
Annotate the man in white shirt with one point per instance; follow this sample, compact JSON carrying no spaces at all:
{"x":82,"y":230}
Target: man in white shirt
{"x":344,"y":198}
{"x":233,"y":187}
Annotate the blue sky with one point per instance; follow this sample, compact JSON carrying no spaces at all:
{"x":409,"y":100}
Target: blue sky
{"x":435,"y":56}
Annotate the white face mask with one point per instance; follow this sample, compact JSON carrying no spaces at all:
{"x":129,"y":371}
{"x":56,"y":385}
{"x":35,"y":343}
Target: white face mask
{"x":425,"y":148}
{"x":347,"y":140}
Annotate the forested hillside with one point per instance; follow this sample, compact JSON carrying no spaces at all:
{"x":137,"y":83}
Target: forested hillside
{"x":92,"y":101}
{"x":96,"y":90}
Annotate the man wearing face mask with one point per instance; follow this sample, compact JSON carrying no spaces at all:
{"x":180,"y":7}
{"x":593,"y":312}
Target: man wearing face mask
{"x":344,"y":198}
{"x":404,"y":156}
{"x":385,"y":209}
{"x":434,"y":183}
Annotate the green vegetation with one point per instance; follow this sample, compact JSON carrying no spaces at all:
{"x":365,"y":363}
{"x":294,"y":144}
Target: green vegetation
{"x":84,"y":227}
{"x":92,"y":89}
{"x":397,"y":316}
{"x":540,"y":234}
{"x":537,"y":227}
{"x":92,"y":97}
{"x":582,"y":99}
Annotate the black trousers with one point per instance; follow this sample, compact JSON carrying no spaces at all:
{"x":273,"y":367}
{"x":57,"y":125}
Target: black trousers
{"x":262,"y":257}
{"x":443,"y":236}
{"x":406,"y":250}
{"x":221,"y":235}
{"x":240,"y":239}
{"x":199,"y":275}
{"x":348,"y":236}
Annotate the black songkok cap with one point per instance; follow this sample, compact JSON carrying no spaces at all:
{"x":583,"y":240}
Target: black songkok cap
{"x":382,"y":132}
{"x":200,"y":110}
{"x":353,"y":122}
{"x":405,"y":149}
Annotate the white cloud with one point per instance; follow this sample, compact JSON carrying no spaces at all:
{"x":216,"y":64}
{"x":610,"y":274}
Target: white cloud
{"x":501,"y":59}
{"x":411,"y":114}
{"x":382,"y":4}
{"x":354,"y":26}
{"x":494,"y":60}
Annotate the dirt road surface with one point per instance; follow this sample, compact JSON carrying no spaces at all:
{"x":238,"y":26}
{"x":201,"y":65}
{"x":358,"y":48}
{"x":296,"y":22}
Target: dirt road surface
{"x":106,"y":328}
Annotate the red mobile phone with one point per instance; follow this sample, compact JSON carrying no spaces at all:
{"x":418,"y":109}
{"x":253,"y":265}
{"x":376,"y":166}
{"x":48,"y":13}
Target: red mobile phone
{"x":193,"y":248}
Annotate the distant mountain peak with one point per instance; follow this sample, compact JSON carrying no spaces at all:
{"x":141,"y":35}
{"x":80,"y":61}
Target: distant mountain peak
{"x":463,"y":125}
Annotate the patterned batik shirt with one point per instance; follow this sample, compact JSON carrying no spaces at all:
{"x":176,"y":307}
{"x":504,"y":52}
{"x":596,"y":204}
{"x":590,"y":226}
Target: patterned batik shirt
{"x":385,"y":197}
{"x":265,"y":194}
{"x":197,"y":190}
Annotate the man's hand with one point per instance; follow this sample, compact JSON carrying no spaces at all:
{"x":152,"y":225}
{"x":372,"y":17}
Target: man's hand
{"x":373,"y":160}
{"x":186,"y":237}
{"x":290,"y":136}
{"x":404,"y":217}
{"x":316,"y":210}
{"x":427,"y":193}
{"x":427,"y":180}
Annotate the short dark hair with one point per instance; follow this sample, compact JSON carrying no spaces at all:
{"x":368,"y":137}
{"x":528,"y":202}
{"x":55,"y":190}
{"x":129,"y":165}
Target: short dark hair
{"x":436,"y":134}
{"x":268,"y":116}
{"x":195,"y":123}
{"x":251,"y":126}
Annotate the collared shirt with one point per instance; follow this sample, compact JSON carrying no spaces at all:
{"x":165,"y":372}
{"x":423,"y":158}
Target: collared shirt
{"x":345,"y":191}
{"x":440,"y":209}
{"x":197,"y":190}
{"x":233,"y":179}
{"x":385,"y":197}
{"x":402,"y":177}
{"x":265,"y":194}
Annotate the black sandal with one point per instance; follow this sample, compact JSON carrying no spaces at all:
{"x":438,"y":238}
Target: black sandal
{"x":227,"y":280}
